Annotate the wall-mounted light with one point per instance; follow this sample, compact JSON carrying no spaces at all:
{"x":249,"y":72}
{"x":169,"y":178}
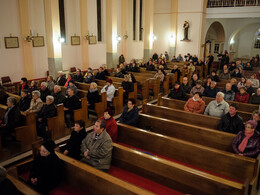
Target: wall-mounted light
{"x":152,"y":37}
{"x":172,"y":38}
{"x":29,"y":37}
{"x":232,"y":41}
{"x":118,"y":38}
{"x":61,"y":40}
{"x":125,"y":36}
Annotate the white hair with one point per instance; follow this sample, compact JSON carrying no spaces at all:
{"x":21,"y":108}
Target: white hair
{"x":60,"y":72}
{"x":51,"y":98}
{"x":58,"y":87}
{"x":44,"y":84}
{"x":222,"y":94}
{"x":37,"y":93}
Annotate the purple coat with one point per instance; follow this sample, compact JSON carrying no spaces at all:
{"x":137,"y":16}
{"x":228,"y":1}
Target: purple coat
{"x":253,"y":146}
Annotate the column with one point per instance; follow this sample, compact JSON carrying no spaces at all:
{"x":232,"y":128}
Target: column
{"x":26,"y":46}
{"x":174,"y":20}
{"x":111,"y":33}
{"x":124,"y":27}
{"x":84,"y":32}
{"x":148,"y":28}
{"x":53,"y":36}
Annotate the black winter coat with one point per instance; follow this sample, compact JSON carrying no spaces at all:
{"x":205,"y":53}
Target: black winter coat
{"x":24,"y":103}
{"x":72,"y":103}
{"x":74,"y":143}
{"x":44,"y":94}
{"x":47,"y":111}
{"x":93,"y":97}
{"x":231,"y":124}
{"x":7,"y":187}
{"x":101,"y":76}
{"x":131,"y":117}
{"x":14,"y":118}
{"x":179,"y":95}
{"x":61,"y":81}
{"x":128,"y":86}
{"x":59,"y":98}
{"x":78,"y":78}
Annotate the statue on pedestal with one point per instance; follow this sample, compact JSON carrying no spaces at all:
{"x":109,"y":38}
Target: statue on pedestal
{"x":186,"y":30}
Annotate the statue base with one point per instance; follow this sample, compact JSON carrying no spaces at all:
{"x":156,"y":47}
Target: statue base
{"x":186,"y":40}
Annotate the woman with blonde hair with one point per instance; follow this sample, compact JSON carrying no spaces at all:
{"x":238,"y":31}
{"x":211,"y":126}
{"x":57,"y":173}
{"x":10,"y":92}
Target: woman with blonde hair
{"x":36,"y":102}
{"x":93,"y":96}
{"x":128,"y":86}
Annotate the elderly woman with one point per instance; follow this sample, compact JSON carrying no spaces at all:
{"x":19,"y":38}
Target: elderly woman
{"x":159,"y":75}
{"x":36,"y":102}
{"x":44,"y":91}
{"x":11,"y":119}
{"x":242,"y":96}
{"x":50,"y":83}
{"x":93,"y":96}
{"x":33,"y":87}
{"x":110,"y":90}
{"x":46,"y":170}
{"x":128,"y":86}
{"x":233,"y":82}
{"x":89,"y":77}
{"x":247,"y":143}
{"x":195,"y":104}
{"x":47,"y":111}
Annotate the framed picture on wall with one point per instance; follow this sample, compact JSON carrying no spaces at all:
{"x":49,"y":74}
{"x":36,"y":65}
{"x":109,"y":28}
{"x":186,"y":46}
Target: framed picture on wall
{"x":38,"y":41}
{"x":92,"y":40}
{"x":75,"y":40}
{"x":11,"y":42}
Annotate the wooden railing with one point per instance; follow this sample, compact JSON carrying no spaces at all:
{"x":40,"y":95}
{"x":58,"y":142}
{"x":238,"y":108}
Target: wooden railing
{"x":232,"y":3}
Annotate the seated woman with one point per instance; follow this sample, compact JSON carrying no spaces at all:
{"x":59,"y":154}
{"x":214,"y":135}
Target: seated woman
{"x":24,"y":84}
{"x":128,"y":86}
{"x":3,"y":97}
{"x":225,"y":75}
{"x":236,"y":73}
{"x":110,"y":90}
{"x":255,"y":98}
{"x":89,"y":77}
{"x":71,"y":103}
{"x":185,"y":70}
{"x":6,"y":186}
{"x":254,"y":81}
{"x":242,"y":83}
{"x":214,"y":76}
{"x":195,"y":104}
{"x":46,"y":171}
{"x":111,"y":126}
{"x":247,"y":143}
{"x":33,"y":87}
{"x":93,"y":96}
{"x":207,"y":83}
{"x":119,"y":73}
{"x":160,"y":75}
{"x":177,"y":92}
{"x":73,"y":145}
{"x":25,"y":100}
{"x":78,"y":77}
{"x":197,"y":88}
{"x":130,"y":113}
{"x":36,"y":102}
{"x":248,"y":66}
{"x":50,"y":83}
{"x":177,"y":71}
{"x":233,"y":82}
{"x":242,"y":96}
{"x":47,"y":111}
{"x":68,"y":79}
{"x":10,"y":120}
{"x":101,"y":75}
{"x":72,"y":86}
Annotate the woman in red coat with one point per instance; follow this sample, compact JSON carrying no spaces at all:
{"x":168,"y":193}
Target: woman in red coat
{"x":242,"y":96}
{"x":111,"y":125}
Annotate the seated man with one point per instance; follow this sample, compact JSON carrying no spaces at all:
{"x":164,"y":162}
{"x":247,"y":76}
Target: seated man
{"x":6,"y":186}
{"x":231,"y":122}
{"x":249,"y":89}
{"x":218,"y":107}
{"x":72,"y":103}
{"x":78,"y":77}
{"x":61,"y":79}
{"x":47,"y":111}
{"x":97,"y":147}
{"x":44,"y":91}
{"x":197,"y":88}
{"x":111,"y":126}
{"x":101,"y":74}
{"x":229,"y":94}
{"x":177,"y":92}
{"x":195,"y":104}
{"x":25,"y":100}
{"x":11,"y":120}
{"x":110,"y":90}
{"x":73,"y":145}
{"x":212,"y":90}
{"x":130,"y":113}
{"x":185,"y":85}
{"x":255,"y":98}
{"x":46,"y":171}
{"x":59,"y":97}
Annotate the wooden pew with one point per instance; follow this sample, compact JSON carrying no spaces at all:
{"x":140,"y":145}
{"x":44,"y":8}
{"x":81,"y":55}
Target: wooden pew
{"x":179,"y":104}
{"x":82,"y":113}
{"x":27,"y":133}
{"x":172,"y":174}
{"x":242,"y":106}
{"x":181,"y":116}
{"x":21,"y":186}
{"x":56,"y":125}
{"x":17,"y":97}
{"x":229,"y":165}
{"x":195,"y":134}
{"x":117,"y":100}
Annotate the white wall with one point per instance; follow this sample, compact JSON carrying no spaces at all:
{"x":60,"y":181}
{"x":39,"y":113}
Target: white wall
{"x":162,"y":26}
{"x":11,"y":63}
{"x":191,"y":11}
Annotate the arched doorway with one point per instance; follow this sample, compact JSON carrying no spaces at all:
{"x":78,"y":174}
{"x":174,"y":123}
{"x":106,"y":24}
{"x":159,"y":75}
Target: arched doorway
{"x":215,"y":39}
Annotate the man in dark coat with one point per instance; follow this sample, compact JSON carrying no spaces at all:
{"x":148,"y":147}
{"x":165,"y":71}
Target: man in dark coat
{"x":212,"y":90}
{"x":231,"y":122}
{"x":176,"y":70}
{"x":61,"y":79}
{"x":73,"y":145}
{"x":130,"y":113}
{"x":44,"y":91}
{"x":25,"y":100}
{"x":78,"y":77}
{"x":249,"y":89}
{"x":59,"y":97}
{"x":185,"y":85}
{"x":47,"y":111}
{"x":46,"y":171}
{"x":11,"y":120}
{"x":177,"y":92}
{"x":101,"y":74}
{"x":127,"y":87}
{"x":72,"y":103}
{"x":6,"y":186}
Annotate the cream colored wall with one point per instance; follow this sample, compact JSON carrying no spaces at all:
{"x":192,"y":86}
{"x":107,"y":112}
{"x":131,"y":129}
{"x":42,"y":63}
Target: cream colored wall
{"x":11,"y":63}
